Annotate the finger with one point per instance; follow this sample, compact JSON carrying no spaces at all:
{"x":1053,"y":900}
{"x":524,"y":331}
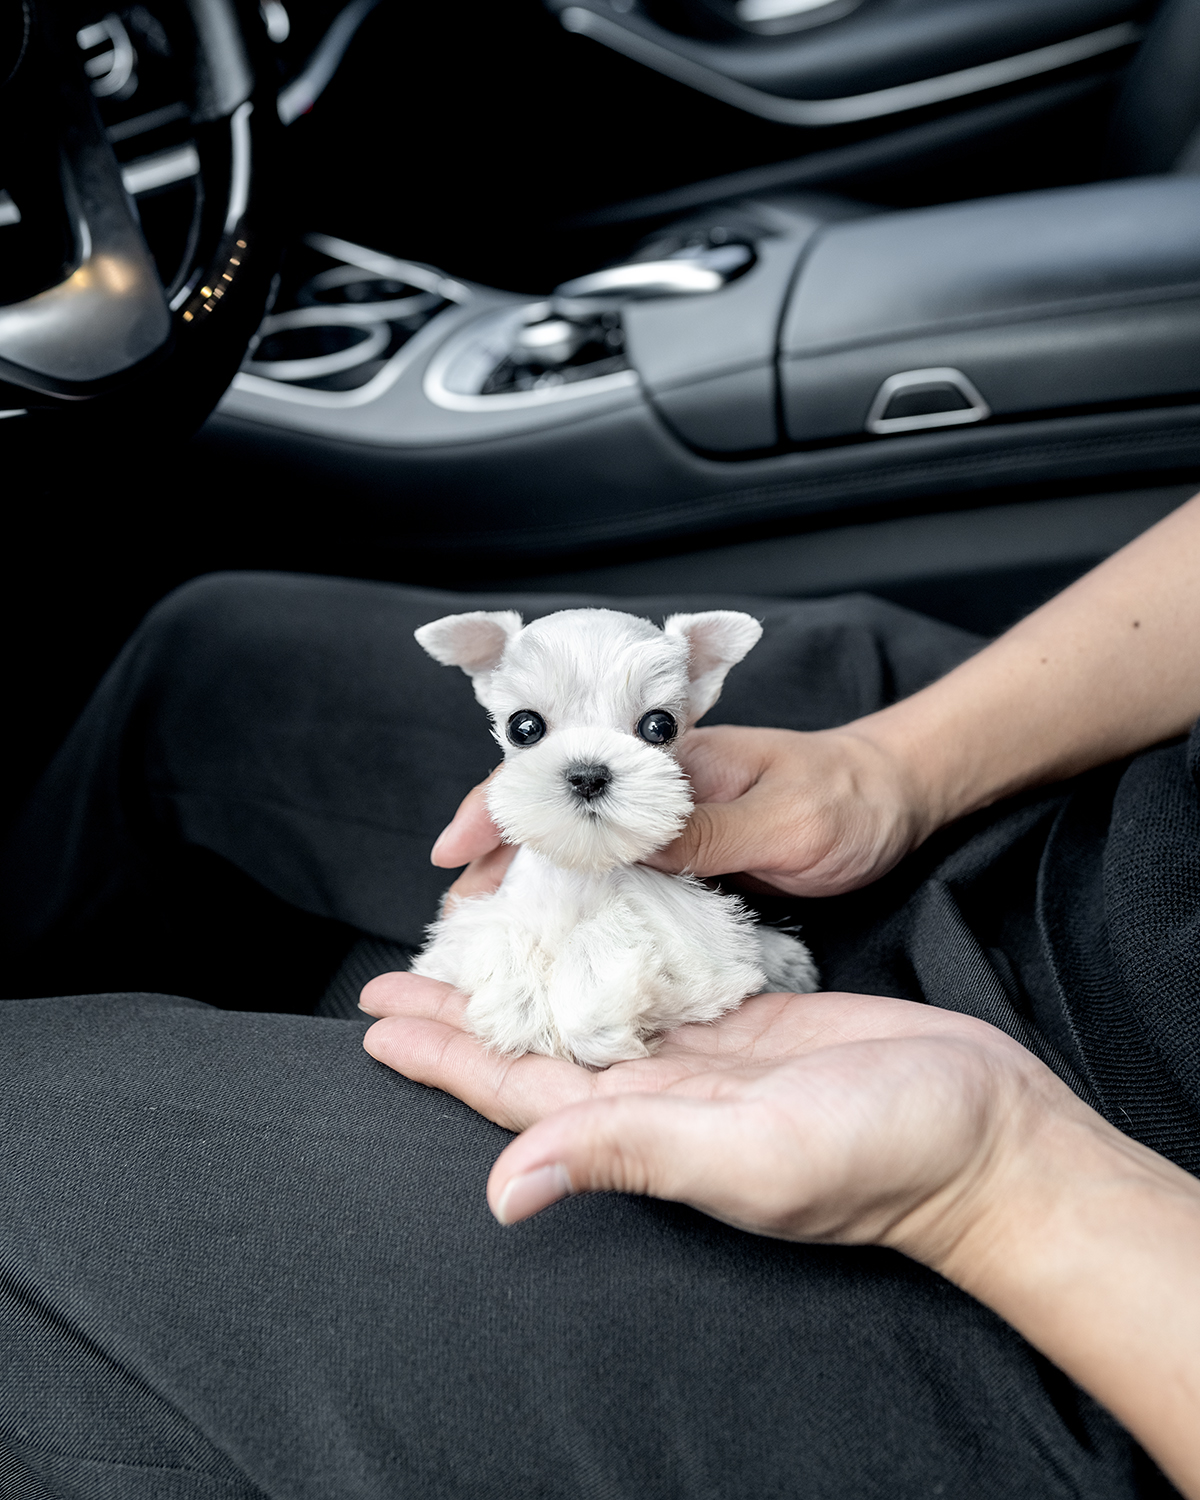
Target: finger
{"x":481,"y":877}
{"x":404,"y":994}
{"x":724,"y":761}
{"x":512,"y":1091}
{"x":470,"y":833}
{"x":721,"y":838}
{"x":687,"y":1150}
{"x":760,"y":883}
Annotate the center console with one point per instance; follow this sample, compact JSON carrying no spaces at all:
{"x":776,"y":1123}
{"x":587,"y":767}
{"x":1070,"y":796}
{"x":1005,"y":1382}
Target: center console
{"x":750,"y":367}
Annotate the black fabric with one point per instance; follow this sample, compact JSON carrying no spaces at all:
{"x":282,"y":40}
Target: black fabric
{"x":240,"y":1254}
{"x":245,"y":1246}
{"x":293,"y":729}
{"x":366,"y":960}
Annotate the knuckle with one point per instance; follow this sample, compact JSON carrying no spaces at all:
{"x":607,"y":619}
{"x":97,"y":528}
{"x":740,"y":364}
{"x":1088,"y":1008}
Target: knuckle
{"x":707,"y":846}
{"x":619,"y":1168}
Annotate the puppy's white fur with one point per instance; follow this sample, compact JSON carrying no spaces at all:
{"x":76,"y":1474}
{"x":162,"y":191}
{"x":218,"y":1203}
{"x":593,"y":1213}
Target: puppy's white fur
{"x":583,"y":953}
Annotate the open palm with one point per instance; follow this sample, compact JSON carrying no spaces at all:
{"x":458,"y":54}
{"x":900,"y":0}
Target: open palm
{"x":828,"y":1117}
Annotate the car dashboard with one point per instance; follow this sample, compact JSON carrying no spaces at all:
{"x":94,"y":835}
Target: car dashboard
{"x":752,"y":295}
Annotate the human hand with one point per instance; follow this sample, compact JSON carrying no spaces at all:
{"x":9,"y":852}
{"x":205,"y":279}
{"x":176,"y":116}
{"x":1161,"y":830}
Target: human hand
{"x":473,"y":840}
{"x":835,"y":1118}
{"x":807,"y":814}
{"x":852,"y":1119}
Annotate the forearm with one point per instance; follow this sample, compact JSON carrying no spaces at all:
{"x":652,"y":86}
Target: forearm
{"x":1106,"y":668}
{"x":1092,"y":1252}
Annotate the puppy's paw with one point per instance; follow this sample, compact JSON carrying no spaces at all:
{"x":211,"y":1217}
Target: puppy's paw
{"x":605,"y":1046}
{"x":511,"y":1019}
{"x":786,"y":962}
{"x":516,"y":1024}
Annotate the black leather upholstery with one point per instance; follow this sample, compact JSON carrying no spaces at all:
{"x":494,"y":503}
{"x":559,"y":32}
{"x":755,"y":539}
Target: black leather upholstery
{"x":1158,"y":112}
{"x":1074,"y":312}
{"x":1045,"y":301}
{"x":710,"y":370}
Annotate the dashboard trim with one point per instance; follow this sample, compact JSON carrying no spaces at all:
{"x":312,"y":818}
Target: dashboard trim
{"x":854,"y":107}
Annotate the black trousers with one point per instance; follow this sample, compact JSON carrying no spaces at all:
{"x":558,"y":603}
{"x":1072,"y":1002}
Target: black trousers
{"x":239,"y":1257}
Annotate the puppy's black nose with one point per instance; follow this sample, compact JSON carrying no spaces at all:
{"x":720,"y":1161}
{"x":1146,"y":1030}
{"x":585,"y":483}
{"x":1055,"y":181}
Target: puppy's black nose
{"x":588,"y":781}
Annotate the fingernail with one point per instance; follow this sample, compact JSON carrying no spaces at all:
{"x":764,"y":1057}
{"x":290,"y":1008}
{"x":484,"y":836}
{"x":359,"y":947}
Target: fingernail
{"x":533,"y":1191}
{"x":437,"y":843}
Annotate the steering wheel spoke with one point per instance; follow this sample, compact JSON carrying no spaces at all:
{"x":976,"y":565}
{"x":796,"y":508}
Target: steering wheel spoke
{"x":97,"y":112}
{"x":108,"y":313}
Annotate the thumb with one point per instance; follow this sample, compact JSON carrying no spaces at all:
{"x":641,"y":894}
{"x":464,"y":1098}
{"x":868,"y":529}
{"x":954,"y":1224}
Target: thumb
{"x":648,"y":1144}
{"x":470,"y":833}
{"x":481,"y":877}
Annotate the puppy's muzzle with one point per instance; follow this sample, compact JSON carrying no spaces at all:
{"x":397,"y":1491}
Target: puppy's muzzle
{"x":588,"y":781}
{"x":589,"y":798}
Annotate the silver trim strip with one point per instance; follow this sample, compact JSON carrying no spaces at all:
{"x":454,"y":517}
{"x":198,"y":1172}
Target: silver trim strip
{"x":140,"y":124}
{"x":908,"y":380}
{"x":389,"y":266}
{"x":363,"y":395}
{"x":497,"y":325}
{"x":239,"y":167}
{"x":313,"y":367}
{"x":602,"y":385}
{"x":816,"y":112}
{"x":348,"y":314}
{"x":109,"y":71}
{"x":307,"y":87}
{"x":752,"y":12}
{"x":160,"y":170}
{"x":186,"y":290}
{"x":645,"y":278}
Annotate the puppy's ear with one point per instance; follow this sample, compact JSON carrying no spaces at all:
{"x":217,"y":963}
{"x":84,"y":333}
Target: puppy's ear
{"x":475,"y":642}
{"x":717,"y":640}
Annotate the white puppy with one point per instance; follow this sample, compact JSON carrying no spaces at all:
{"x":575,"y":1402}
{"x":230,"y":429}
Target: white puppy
{"x":583,"y":953}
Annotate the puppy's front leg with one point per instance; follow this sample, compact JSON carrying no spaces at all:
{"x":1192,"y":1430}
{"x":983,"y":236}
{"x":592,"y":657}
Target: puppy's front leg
{"x":488,"y":953}
{"x":786,"y":962}
{"x":602,"y":989}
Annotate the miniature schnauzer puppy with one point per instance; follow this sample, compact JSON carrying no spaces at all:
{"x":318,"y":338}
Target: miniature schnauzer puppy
{"x":584,"y":953}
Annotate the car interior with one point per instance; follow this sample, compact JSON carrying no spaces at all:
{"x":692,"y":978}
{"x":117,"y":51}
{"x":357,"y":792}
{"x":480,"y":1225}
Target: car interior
{"x":621,"y":297}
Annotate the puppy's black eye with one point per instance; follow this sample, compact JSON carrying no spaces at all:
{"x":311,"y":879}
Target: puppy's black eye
{"x":658,"y":727}
{"x":525,"y":727}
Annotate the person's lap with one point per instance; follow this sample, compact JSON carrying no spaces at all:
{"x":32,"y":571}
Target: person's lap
{"x":293,"y":727}
{"x":240,"y":1247}
{"x":273,"y":1258}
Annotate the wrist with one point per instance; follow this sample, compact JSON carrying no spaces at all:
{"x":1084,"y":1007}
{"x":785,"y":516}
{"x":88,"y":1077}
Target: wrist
{"x":1018,"y":1220}
{"x":1087,"y":1244}
{"x":949,"y":755}
{"x":909,"y":777}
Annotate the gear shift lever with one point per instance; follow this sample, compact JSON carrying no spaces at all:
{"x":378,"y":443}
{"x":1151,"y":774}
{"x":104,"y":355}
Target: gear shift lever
{"x":569,"y":321}
{"x":692,"y":271}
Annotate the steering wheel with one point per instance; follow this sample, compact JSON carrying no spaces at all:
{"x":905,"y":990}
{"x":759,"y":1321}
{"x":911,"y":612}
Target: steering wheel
{"x":115,"y":313}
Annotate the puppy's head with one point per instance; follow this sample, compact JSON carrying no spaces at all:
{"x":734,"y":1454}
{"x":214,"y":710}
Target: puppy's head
{"x":587,"y":705}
